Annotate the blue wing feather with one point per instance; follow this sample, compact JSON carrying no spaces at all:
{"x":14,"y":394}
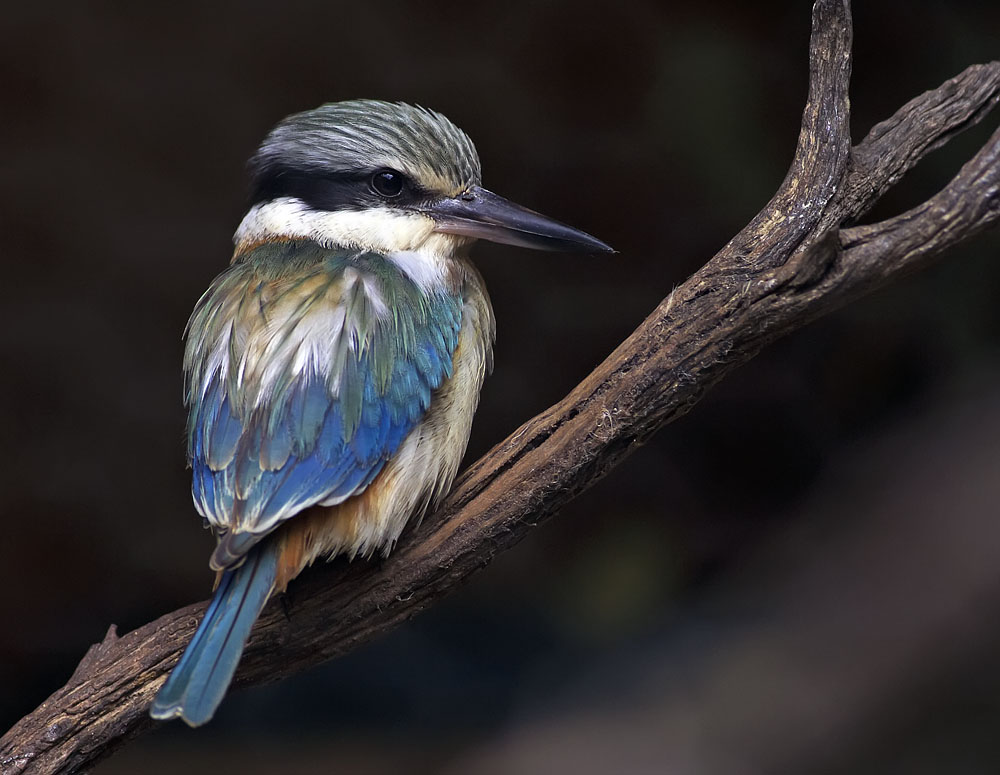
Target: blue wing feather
{"x":313,"y":443}
{"x":221,"y":429}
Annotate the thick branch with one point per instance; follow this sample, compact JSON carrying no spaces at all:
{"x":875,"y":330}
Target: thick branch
{"x":790,"y":265}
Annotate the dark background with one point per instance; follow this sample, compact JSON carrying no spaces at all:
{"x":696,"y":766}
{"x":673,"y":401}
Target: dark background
{"x":803,"y":575}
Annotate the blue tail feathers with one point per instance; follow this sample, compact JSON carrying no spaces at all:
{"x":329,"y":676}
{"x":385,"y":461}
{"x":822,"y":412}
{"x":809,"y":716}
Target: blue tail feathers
{"x":199,"y":681}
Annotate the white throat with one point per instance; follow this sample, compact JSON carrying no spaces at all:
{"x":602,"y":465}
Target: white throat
{"x":406,"y":239}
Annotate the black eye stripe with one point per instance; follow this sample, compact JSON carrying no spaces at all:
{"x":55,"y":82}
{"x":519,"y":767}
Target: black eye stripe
{"x":333,"y":191}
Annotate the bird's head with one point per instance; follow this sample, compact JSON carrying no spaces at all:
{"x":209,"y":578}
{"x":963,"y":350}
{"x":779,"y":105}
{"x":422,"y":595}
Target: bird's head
{"x":385,"y":177}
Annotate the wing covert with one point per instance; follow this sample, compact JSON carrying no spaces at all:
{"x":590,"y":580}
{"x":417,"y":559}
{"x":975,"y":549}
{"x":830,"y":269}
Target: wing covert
{"x":306,"y":368}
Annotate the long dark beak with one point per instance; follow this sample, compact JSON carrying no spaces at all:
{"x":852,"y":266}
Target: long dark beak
{"x":484,"y":215}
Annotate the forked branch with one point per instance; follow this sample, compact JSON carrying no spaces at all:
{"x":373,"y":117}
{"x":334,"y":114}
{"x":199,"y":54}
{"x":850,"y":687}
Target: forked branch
{"x":791,"y":264}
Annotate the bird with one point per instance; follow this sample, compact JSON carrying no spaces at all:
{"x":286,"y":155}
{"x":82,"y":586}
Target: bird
{"x":331,"y":372}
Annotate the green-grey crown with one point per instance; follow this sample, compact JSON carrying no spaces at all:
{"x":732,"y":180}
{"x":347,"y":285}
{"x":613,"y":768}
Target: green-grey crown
{"x":341,"y":140}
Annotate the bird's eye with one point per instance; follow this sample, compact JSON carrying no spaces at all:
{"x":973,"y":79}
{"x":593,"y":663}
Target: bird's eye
{"x":387,"y":183}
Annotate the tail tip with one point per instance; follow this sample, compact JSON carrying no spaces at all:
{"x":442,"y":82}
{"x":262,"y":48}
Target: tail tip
{"x":169,"y":711}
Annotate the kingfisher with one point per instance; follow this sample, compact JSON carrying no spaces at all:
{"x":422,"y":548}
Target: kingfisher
{"x":332,"y":371}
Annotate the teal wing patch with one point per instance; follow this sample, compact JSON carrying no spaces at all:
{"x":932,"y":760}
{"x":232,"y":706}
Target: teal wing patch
{"x":306,"y":369}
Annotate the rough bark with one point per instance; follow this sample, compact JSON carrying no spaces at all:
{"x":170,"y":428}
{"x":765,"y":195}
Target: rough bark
{"x":794,"y":262}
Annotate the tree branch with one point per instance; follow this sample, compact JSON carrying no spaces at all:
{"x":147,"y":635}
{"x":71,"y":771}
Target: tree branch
{"x":790,"y":265}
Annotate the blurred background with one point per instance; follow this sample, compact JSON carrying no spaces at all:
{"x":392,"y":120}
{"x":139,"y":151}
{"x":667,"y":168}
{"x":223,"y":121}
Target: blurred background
{"x":801,"y":576}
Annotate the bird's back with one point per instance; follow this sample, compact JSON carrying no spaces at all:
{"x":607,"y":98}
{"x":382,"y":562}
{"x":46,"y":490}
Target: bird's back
{"x":308,"y":369}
